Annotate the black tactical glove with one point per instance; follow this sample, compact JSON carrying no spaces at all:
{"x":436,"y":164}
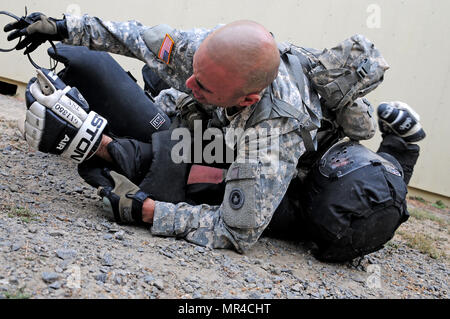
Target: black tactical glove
{"x":123,"y":200}
{"x":92,"y":171}
{"x":131,"y":158}
{"x":36,"y":28}
{"x":57,"y":119}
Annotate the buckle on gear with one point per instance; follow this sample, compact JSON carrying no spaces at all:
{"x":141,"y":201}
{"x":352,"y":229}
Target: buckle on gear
{"x":364,"y":68}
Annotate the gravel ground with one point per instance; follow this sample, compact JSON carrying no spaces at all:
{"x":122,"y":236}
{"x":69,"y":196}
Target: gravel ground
{"x":55,"y":242}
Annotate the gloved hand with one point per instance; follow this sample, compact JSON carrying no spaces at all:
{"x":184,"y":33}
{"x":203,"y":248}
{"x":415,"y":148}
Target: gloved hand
{"x":123,"y":200}
{"x":130,"y":158}
{"x":57,"y":121}
{"x":399,"y":118}
{"x":36,"y":28}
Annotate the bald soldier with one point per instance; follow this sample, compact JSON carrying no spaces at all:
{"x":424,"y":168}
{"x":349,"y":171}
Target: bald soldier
{"x":235,"y":76}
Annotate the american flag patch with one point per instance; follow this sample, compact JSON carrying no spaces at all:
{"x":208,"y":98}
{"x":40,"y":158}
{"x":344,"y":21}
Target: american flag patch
{"x":166,"y":49}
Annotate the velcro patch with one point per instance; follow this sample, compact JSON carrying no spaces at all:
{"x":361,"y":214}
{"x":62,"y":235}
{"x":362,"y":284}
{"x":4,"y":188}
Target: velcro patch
{"x":157,"y":121}
{"x":166,"y":49}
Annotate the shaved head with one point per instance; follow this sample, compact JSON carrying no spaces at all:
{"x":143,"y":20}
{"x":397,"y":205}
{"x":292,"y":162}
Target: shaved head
{"x":233,"y":65}
{"x":247,"y":51}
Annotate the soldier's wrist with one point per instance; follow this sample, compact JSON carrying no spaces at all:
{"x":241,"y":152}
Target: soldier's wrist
{"x":148,"y":210}
{"x":102,"y":150}
{"x":61,"y":28}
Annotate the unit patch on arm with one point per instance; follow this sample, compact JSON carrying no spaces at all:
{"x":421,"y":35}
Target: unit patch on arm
{"x":166,"y":49}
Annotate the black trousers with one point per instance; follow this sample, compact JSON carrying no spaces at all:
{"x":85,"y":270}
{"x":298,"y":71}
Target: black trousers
{"x":394,"y":147}
{"x":287,"y":222}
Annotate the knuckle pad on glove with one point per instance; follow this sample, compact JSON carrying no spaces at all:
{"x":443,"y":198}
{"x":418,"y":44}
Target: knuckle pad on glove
{"x":57,"y":134}
{"x":32,"y":134}
{"x":35,"y":116}
{"x":34,"y":124}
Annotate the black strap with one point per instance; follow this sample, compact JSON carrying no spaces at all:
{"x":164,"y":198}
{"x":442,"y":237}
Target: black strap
{"x":301,"y":81}
{"x":138,"y":202}
{"x":309,"y":121}
{"x":306,"y":64}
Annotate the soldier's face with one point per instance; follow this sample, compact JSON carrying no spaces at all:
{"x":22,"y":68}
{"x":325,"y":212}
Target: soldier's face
{"x":212,"y":83}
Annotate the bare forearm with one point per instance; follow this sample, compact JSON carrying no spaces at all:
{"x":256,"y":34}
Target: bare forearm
{"x":148,"y":209}
{"x":102,"y":150}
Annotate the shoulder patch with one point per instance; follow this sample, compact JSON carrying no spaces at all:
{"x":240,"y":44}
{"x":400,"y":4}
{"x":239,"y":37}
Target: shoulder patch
{"x":159,"y":41}
{"x":166,"y":49}
{"x":237,"y":198}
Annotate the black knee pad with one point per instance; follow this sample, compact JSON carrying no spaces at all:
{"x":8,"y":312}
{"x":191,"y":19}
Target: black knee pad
{"x":355,"y":204}
{"x":111,"y":92}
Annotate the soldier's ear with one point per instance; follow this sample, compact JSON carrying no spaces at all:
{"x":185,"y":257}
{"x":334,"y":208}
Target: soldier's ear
{"x":249,"y":99}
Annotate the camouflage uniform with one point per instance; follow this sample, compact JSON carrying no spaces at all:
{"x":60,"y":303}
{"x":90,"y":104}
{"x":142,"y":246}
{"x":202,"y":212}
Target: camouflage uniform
{"x":264,"y":180}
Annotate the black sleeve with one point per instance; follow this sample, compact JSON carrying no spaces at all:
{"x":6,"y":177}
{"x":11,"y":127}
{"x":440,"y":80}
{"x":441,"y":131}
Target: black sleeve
{"x":134,"y":158}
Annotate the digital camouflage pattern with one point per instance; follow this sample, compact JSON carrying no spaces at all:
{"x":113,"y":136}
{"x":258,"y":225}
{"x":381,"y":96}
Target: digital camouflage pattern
{"x":203,"y":224}
{"x":167,"y":100}
{"x":347,"y":71}
{"x":357,"y":120}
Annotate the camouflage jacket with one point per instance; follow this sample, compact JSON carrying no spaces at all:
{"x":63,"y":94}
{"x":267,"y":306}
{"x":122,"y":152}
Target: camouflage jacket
{"x":254,"y":188}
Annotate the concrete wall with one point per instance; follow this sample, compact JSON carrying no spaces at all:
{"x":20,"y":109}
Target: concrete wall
{"x":413,"y":36}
